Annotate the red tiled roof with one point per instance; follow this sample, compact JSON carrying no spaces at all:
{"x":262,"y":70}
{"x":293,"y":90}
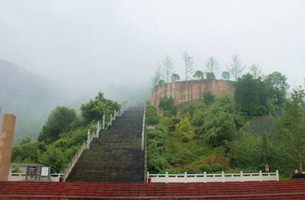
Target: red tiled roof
{"x":83,"y":190}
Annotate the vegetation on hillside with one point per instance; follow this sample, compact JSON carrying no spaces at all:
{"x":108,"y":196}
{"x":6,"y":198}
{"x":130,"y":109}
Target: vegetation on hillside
{"x":258,"y":126}
{"x":63,"y":134}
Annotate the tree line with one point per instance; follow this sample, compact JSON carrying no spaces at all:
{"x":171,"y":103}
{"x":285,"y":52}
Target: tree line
{"x":166,"y":72}
{"x":63,"y":133}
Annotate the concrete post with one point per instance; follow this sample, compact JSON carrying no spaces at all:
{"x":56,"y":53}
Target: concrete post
{"x":98,"y":129}
{"x":260,"y":175}
{"x":110,"y":122}
{"x":114,"y":114}
{"x":143,"y":132}
{"x":88,"y":139}
{"x":147,"y":177}
{"x":6,"y":144}
{"x":103,"y":127}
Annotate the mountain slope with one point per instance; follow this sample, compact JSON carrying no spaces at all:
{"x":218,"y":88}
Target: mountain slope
{"x":29,"y":96}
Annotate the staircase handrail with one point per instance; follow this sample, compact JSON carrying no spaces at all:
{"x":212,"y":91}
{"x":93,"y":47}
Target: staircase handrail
{"x":83,"y":147}
{"x":73,"y":161}
{"x":78,"y":154}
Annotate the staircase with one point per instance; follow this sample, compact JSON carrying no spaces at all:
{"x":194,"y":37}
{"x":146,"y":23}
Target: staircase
{"x":116,"y":156}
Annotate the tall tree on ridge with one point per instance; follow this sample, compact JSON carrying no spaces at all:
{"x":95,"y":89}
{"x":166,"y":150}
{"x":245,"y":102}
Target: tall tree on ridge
{"x":255,"y":71}
{"x":188,"y":64}
{"x":168,"y":67}
{"x":237,"y":67}
{"x":212,"y":66}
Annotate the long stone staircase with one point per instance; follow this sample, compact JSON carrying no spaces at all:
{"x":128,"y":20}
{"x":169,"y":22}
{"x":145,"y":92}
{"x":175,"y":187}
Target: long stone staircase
{"x":116,"y":156}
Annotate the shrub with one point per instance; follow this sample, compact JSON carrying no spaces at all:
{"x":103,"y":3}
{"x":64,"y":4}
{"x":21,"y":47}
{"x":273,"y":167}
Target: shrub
{"x":152,"y":117}
{"x":205,"y":168}
{"x":185,"y":138}
{"x":216,"y":167}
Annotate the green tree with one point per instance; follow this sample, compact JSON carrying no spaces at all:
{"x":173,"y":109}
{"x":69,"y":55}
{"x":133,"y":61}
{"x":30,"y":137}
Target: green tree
{"x":167,"y":104}
{"x":152,"y":117}
{"x":94,"y":109}
{"x":198,"y":75}
{"x":157,"y":78}
{"x":210,"y":76}
{"x":278,"y":86}
{"x":244,"y":151}
{"x":188,"y":64}
{"x":218,"y":128}
{"x":225,"y":75}
{"x":58,"y":121}
{"x":55,"y":158}
{"x":291,"y":128}
{"x":251,"y":96}
{"x":175,"y":78}
{"x":208,"y":98}
{"x":27,"y":151}
{"x":212,"y":66}
{"x":217,"y":123}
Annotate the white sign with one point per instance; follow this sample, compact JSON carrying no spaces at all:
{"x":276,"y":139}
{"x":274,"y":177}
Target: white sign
{"x":44,"y":171}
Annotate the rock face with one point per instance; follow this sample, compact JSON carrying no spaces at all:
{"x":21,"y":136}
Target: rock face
{"x":188,"y":91}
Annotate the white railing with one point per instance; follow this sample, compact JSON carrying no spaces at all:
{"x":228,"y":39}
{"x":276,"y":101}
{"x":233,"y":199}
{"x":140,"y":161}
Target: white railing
{"x":22,"y":177}
{"x":143,"y":130}
{"x":74,"y":161}
{"x":222,"y":177}
{"x":86,"y":145}
{"x":90,"y":137}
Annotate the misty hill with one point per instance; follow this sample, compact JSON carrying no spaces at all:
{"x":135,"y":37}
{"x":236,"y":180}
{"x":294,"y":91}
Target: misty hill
{"x":29,"y":96}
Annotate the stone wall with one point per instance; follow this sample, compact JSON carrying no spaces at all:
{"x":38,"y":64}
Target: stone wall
{"x":188,"y":91}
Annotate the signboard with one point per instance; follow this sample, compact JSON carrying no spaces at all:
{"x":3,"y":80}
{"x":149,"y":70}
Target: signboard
{"x":32,"y":171}
{"x":44,"y":171}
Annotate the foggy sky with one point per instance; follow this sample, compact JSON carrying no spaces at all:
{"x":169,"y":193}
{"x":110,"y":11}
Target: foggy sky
{"x":91,"y":44}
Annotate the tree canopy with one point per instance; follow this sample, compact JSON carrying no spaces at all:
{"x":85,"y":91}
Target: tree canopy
{"x":58,"y":121}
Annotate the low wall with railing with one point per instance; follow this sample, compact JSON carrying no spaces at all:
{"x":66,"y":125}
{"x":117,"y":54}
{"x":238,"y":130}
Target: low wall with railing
{"x":205,"y":177}
{"x":22,"y":177}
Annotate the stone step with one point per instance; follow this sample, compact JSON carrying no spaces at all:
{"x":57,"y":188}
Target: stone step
{"x":116,"y":155}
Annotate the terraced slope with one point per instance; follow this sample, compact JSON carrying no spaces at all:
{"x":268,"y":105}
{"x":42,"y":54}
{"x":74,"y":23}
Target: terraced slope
{"x":116,"y":156}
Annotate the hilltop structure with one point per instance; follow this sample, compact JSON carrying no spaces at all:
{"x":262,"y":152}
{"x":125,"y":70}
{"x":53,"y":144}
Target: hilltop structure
{"x":188,"y":91}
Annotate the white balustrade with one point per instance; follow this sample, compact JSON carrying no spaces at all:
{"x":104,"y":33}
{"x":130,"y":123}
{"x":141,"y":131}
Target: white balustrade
{"x":205,"y":177}
{"x":103,"y":126}
{"x":73,"y":161}
{"x":143,"y":130}
{"x":110,"y":122}
{"x":79,"y":153}
{"x":55,"y":177}
{"x":88,"y":139}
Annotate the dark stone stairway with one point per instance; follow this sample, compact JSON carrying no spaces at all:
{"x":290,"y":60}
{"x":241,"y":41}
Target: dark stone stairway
{"x":116,"y":156}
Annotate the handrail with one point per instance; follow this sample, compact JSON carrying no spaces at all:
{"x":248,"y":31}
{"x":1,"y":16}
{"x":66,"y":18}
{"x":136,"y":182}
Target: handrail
{"x":222,"y":177}
{"x":73,"y":161}
{"x":87,"y":144}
